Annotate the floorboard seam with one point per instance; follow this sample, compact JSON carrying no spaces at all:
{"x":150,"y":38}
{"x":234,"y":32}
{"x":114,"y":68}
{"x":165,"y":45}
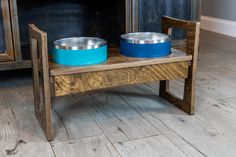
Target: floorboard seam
{"x":168,"y":128}
{"x":54,"y":153}
{"x":13,"y":112}
{"x":213,"y":127}
{"x":141,"y":138}
{"x":62,"y":121}
{"x":76,"y":139}
{"x":190,"y":144}
{"x":103,"y":132}
{"x":187,"y":142}
{"x":112,"y":123}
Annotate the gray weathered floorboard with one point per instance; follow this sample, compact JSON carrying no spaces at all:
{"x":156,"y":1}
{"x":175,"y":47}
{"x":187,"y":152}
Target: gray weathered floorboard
{"x":21,"y":124}
{"x":117,"y":119}
{"x":156,"y":146}
{"x":76,"y":120}
{"x":116,"y":122}
{"x":97,"y":146}
{"x":148,"y":105}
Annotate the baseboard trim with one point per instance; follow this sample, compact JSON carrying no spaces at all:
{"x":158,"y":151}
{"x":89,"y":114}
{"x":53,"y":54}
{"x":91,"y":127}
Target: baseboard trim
{"x":217,"y":25}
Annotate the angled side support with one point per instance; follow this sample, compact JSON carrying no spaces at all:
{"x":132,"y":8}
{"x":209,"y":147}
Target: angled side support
{"x":41,"y":82}
{"x":192,"y":29}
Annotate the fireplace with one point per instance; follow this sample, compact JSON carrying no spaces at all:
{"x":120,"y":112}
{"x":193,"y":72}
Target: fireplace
{"x":105,"y":18}
{"x":69,"y":18}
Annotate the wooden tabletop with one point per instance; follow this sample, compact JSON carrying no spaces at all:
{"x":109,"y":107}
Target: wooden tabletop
{"x":118,"y":61}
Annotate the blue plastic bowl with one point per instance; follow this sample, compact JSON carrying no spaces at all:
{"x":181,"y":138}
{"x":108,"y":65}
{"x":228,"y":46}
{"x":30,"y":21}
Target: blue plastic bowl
{"x":145,"y":45}
{"x":79,"y":51}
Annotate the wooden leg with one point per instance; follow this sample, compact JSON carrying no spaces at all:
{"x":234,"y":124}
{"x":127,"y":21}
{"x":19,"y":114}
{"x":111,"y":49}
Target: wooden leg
{"x":43,"y":110}
{"x":192,"y":42}
{"x":187,"y":103}
{"x":41,"y":86}
{"x":43,"y":114}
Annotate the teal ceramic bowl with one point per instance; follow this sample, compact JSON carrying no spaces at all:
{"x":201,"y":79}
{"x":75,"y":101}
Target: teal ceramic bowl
{"x":79,"y":51}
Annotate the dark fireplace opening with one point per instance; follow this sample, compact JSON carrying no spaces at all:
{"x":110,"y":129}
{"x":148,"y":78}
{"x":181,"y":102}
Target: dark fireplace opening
{"x":70,"y":18}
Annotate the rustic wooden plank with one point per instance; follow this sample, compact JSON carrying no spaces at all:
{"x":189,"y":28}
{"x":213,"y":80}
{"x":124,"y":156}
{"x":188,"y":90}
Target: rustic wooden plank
{"x":20,"y":124}
{"x":222,"y":116}
{"x":15,"y":93}
{"x":7,"y":131}
{"x":15,"y":29}
{"x":219,"y":114}
{"x":68,"y":84}
{"x":97,"y":146}
{"x":121,"y":71}
{"x":27,"y":126}
{"x":117,"y":61}
{"x":4,"y":57}
{"x":15,"y":65}
{"x":76,"y":120}
{"x":9,"y":53}
{"x":35,"y":150}
{"x":192,"y":29}
{"x":116,"y":118}
{"x":212,"y":82}
{"x":216,"y":77}
{"x":145,"y":101}
{"x":41,"y":82}
{"x":201,"y":133}
{"x":156,"y":146}
{"x":229,"y":102}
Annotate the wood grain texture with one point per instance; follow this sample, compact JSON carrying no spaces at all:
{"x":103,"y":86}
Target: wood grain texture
{"x":156,"y":146}
{"x":76,"y":120}
{"x":54,"y":80}
{"x":192,"y":44}
{"x":202,"y":135}
{"x":21,"y":124}
{"x":210,"y":132}
{"x":15,"y":29}
{"x":116,"y":118}
{"x":7,"y":131}
{"x":68,"y":84}
{"x":9,"y":53}
{"x":213,"y":120}
{"x":118,"y":61}
{"x":15,"y":65}
{"x":41,"y":82}
{"x":144,"y":100}
{"x":97,"y":146}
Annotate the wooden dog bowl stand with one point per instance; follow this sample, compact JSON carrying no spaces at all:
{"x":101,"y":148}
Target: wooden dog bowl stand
{"x":52,"y":80}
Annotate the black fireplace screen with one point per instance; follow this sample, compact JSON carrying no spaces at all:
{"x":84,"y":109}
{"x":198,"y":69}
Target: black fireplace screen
{"x":151,"y":12}
{"x":103,"y":18}
{"x":69,"y":18}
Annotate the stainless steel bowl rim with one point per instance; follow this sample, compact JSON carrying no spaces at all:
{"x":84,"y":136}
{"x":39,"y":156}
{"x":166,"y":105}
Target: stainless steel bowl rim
{"x":145,"y":38}
{"x":79,"y":43}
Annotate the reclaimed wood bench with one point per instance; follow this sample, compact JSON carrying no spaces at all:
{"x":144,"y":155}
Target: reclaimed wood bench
{"x":52,"y":80}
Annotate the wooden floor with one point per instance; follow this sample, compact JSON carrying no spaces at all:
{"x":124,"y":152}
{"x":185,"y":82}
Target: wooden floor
{"x":129,"y":121}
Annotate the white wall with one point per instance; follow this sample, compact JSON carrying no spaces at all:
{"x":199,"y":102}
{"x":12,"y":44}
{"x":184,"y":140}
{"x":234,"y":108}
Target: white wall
{"x":223,"y":9}
{"x":219,"y":16}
